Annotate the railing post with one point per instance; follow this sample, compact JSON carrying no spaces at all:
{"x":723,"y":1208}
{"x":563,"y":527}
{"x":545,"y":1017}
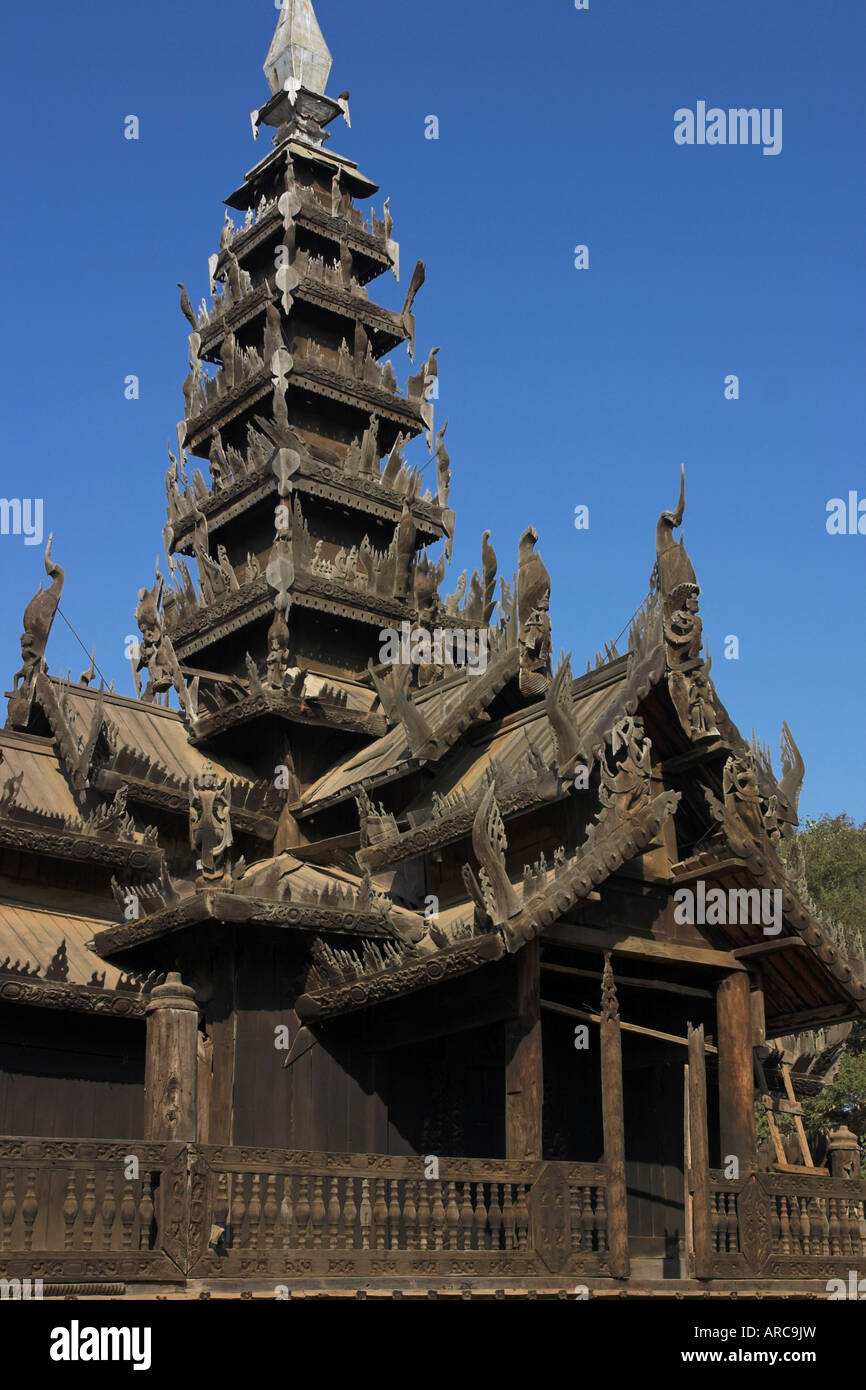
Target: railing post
{"x":613,"y":1125}
{"x":171,"y":1062}
{"x":844,"y":1153}
{"x":524,"y":1085}
{"x":699,"y":1178}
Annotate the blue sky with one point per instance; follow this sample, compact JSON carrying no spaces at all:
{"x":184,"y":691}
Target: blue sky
{"x":562,"y":386}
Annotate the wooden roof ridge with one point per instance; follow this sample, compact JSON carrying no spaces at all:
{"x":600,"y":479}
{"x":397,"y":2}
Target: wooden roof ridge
{"x":405,"y":708}
{"x":147,"y":777}
{"x":530,"y":783}
{"x":840,"y":954}
{"x":612,"y":840}
{"x":349,"y":981}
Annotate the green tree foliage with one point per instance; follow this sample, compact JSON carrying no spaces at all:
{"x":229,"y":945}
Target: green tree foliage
{"x":834,"y":854}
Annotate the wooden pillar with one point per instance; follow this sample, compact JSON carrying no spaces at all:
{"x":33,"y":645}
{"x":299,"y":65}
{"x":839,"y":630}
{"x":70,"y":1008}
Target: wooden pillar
{"x":736,"y":1069}
{"x":699,"y":1154}
{"x":524,"y":1078}
{"x":613,"y":1121}
{"x":171,"y":1062}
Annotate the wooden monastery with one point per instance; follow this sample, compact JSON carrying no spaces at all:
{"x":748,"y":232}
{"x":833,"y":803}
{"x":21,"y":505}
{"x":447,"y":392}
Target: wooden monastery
{"x":331,"y":972}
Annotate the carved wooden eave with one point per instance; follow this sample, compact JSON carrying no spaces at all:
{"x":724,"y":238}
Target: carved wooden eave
{"x":611,"y":843}
{"x":362,"y":397}
{"x":768,"y":872}
{"x":383,"y":326}
{"x":275,"y":161}
{"x":319,"y":712}
{"x":449,"y":828}
{"x":49,"y":994}
{"x":59,"y":837}
{"x":233,"y":403}
{"x":414,"y":972}
{"x":256,"y":806}
{"x":236,"y":909}
{"x":240,"y":607}
{"x":368,"y":495}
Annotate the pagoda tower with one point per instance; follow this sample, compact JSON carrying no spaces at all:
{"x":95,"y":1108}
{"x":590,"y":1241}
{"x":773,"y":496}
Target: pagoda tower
{"x":296,"y":530}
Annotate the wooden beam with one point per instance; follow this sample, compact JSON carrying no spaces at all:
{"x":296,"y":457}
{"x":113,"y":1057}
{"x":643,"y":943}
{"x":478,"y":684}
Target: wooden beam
{"x":810,"y":1018}
{"x":613,"y":1124}
{"x":714,"y":866}
{"x":736,"y":1070}
{"x":699,"y":1153}
{"x":763,"y":948}
{"x":566,"y":1009}
{"x":638,"y":947}
{"x":630,"y":980}
{"x":524,"y":1080}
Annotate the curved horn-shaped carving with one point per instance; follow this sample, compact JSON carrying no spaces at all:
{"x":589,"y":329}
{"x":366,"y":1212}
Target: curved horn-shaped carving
{"x":490,"y":843}
{"x":793,"y":769}
{"x":558,"y":707}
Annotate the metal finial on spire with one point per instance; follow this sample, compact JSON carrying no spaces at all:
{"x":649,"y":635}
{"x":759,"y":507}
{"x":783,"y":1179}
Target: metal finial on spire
{"x":298,"y":54}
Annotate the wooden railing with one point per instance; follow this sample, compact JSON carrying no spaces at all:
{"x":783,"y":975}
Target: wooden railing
{"x":781,"y":1225}
{"x":74,"y":1211}
{"x":271,"y":1211}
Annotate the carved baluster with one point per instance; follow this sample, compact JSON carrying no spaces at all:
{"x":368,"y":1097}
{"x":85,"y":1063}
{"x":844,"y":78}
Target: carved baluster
{"x":585,"y":1226}
{"x":127,"y":1211}
{"x":733,"y":1243}
{"x":334,"y":1213}
{"x":495,"y":1217}
{"x":270,"y":1210}
{"x":254,"y":1211}
{"x":847,"y":1226}
{"x":286,"y":1212}
{"x":29,"y":1209}
{"x":303,"y":1210}
{"x":805,"y":1226}
{"x":715,"y":1219}
{"x":317,"y":1218}
{"x":424,"y":1214}
{"x":109,"y":1211}
{"x":508,"y":1217}
{"x":437,"y":1215}
{"x":796,"y":1233}
{"x":70,"y":1211}
{"x":8,"y":1209}
{"x":394,"y":1215}
{"x":467,"y":1216}
{"x":88,"y":1209}
{"x":366,"y":1214}
{"x":145,"y":1214}
{"x":221,"y":1201}
{"x":380,"y":1213}
{"x":452,"y":1218}
{"x":834,"y":1229}
{"x":238,"y":1208}
{"x":350,"y":1216}
{"x":601,"y":1217}
{"x":481,"y":1223}
{"x":820,"y":1226}
{"x":410,"y":1215}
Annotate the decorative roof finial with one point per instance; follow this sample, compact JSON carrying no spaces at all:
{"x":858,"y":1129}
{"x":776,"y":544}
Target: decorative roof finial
{"x":298,"y":55}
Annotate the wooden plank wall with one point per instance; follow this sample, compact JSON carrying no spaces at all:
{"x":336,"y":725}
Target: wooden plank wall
{"x":64,"y":1075}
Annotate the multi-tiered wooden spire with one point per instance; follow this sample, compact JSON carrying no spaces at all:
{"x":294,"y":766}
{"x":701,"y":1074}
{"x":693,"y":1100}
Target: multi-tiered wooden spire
{"x":297,"y":538}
